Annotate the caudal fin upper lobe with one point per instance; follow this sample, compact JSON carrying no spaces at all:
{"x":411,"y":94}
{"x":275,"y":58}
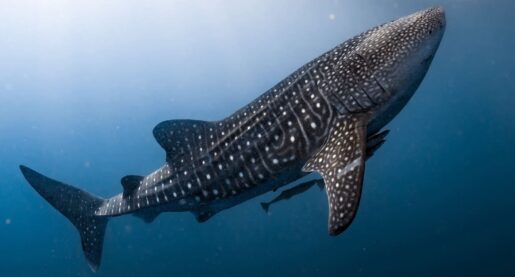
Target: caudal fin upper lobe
{"x":76,"y":205}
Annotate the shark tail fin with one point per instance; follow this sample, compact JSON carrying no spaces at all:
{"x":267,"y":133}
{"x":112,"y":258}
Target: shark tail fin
{"x":76,"y":205}
{"x":265,"y":206}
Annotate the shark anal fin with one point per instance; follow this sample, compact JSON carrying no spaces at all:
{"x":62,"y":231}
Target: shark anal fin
{"x":203,"y":216}
{"x":341,"y":162}
{"x":130,"y":183}
{"x":182,"y":137}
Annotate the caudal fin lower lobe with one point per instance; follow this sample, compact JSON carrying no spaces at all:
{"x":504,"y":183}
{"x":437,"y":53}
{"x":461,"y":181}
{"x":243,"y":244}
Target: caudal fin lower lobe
{"x":76,"y":205}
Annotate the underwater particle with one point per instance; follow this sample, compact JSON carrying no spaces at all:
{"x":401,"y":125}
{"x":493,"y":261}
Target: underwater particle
{"x":8,"y":87}
{"x":332,"y":16}
{"x":128,"y":228}
{"x":87,"y":164}
{"x":7,"y":221}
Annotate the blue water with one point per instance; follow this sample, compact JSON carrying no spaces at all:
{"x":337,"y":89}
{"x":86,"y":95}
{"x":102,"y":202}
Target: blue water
{"x":82,"y":84}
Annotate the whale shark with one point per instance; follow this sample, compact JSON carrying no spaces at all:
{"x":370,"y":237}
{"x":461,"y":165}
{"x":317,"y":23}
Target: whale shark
{"x":324,"y":117}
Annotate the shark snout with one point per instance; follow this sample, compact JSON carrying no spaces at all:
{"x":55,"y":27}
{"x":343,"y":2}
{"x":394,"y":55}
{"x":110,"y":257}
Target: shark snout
{"x":430,"y":25}
{"x":436,"y":14}
{"x":440,"y":15}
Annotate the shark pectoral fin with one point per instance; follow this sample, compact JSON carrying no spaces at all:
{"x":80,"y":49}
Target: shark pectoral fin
{"x":130,"y":183}
{"x":341,"y":162}
{"x":182,"y":137}
{"x":203,"y":216}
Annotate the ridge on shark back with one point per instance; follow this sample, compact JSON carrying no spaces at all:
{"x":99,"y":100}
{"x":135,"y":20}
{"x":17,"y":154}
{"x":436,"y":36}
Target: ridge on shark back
{"x":324,"y":117}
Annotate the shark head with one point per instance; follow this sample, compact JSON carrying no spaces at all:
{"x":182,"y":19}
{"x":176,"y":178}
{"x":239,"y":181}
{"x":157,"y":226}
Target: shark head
{"x":400,"y":52}
{"x":407,"y":48}
{"x":395,"y":57}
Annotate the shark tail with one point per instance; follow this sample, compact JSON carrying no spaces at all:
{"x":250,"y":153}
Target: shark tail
{"x":76,"y":205}
{"x":265,"y":206}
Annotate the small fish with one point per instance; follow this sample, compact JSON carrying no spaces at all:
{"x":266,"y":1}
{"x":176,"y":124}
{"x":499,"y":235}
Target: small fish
{"x":289,"y":193}
{"x":320,"y":118}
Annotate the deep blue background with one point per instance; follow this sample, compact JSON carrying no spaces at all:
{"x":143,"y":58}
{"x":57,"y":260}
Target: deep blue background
{"x":82,"y":84}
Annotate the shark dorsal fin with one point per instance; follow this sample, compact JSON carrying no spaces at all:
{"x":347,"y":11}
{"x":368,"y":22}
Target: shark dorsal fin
{"x":130,"y":183}
{"x":180,"y":137}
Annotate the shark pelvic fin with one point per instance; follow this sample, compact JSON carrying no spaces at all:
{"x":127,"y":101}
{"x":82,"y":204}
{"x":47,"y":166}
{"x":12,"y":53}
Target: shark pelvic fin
{"x":148,"y":216}
{"x":320,"y":184}
{"x":203,"y":216}
{"x":265,"y":206}
{"x":130,"y":183}
{"x":375,"y":141}
{"x":76,"y":205}
{"x":341,"y":162}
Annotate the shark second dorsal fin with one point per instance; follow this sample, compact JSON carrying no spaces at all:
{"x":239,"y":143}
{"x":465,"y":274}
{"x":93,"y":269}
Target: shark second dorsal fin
{"x":341,"y":162}
{"x":130,"y":183}
{"x":180,"y":137}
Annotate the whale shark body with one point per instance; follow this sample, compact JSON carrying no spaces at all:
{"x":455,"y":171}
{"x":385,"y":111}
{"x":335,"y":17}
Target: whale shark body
{"x":323,"y":118}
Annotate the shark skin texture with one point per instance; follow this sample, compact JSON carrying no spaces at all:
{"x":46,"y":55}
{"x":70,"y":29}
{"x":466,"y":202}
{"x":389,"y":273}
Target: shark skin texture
{"x":326,"y":117}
